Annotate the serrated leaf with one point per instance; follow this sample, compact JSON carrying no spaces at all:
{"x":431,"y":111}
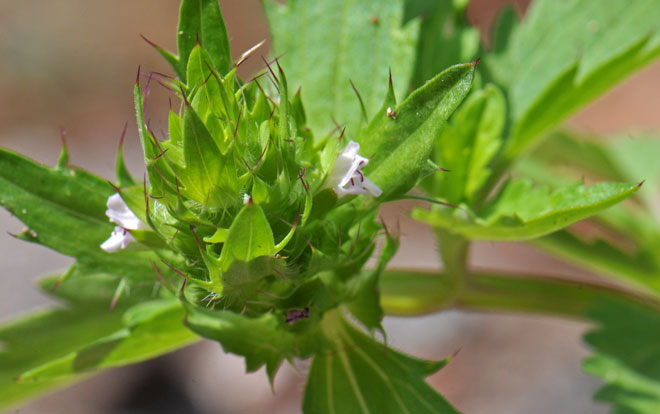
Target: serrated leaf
{"x":566,"y":54}
{"x":349,"y":32}
{"x":360,"y":374}
{"x":627,"y":356}
{"x":522,"y":211}
{"x":262,"y":340}
{"x":151,"y":329}
{"x":399,"y":145}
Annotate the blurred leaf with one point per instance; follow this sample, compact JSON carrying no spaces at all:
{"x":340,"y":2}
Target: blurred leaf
{"x":399,"y":145}
{"x":582,"y":154}
{"x":622,"y":241}
{"x":467,"y":145}
{"x":361,"y":40}
{"x":151,"y":329}
{"x":567,"y":53}
{"x":626,"y":356}
{"x":360,"y":374}
{"x":640,"y":268}
{"x":522,"y":211}
{"x":445,"y":37}
{"x":42,"y":337}
{"x":262,"y":340}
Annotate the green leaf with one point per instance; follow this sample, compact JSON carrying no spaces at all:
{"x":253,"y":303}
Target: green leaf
{"x":63,"y":209}
{"x":567,"y":53}
{"x":399,"y":145}
{"x":262,"y":340}
{"x":43,"y":336}
{"x":200,"y":21}
{"x":202,"y":157}
{"x":522,"y":211}
{"x":445,"y":37}
{"x":626,"y":356}
{"x":622,"y":241}
{"x":250,"y":236}
{"x":151,"y":329}
{"x":361,"y":41}
{"x":365,"y":303}
{"x":467,"y":145}
{"x":359,"y":374}
{"x":640,"y":268}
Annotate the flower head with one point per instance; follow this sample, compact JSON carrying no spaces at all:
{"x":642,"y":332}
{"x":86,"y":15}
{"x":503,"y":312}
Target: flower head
{"x":119,"y":213}
{"x":347,"y":177}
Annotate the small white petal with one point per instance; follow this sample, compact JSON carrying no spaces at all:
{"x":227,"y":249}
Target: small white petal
{"x":119,"y":239}
{"x":120,"y":214}
{"x":346,"y":176}
{"x":372,"y":188}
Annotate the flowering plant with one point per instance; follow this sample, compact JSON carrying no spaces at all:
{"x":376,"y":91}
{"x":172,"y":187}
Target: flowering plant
{"x":258,"y":212}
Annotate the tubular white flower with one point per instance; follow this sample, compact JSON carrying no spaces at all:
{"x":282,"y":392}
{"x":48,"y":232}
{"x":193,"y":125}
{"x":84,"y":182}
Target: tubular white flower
{"x":347,"y":177}
{"x":119,"y":239}
{"x":119,"y":213}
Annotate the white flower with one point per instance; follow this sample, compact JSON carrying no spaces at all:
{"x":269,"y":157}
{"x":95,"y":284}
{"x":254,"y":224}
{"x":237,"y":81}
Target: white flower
{"x":119,"y":239}
{"x":347,"y":177}
{"x":119,"y":213}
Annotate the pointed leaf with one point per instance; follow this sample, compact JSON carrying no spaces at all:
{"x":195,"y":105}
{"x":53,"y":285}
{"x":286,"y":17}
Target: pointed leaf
{"x":522,"y":211}
{"x":399,"y":144}
{"x":250,"y":237}
{"x":201,"y":20}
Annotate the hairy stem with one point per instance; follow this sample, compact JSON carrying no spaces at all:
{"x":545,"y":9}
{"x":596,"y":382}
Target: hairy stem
{"x":406,"y":293}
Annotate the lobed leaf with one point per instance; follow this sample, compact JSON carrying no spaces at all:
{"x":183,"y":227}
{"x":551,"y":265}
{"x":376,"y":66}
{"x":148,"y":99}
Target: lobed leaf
{"x":360,"y":374}
{"x":567,"y":53}
{"x":626,"y":356}
{"x":261,"y":340}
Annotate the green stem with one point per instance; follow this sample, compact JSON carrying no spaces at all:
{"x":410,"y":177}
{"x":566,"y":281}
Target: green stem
{"x":454,"y":254}
{"x":405,"y":293}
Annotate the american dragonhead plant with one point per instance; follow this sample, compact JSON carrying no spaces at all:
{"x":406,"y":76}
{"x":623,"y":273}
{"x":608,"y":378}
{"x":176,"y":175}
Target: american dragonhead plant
{"x":258,"y":211}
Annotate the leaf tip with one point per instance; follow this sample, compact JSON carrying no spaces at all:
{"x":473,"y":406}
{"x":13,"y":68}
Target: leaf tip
{"x":475,"y":62}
